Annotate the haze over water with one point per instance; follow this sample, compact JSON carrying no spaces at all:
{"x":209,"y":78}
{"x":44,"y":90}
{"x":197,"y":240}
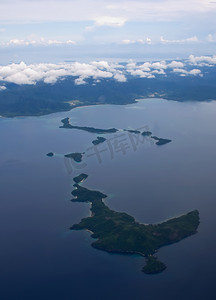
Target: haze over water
{"x":42,"y":259}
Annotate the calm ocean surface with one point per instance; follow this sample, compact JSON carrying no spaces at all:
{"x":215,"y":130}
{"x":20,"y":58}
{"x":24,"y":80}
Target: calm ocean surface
{"x":41,"y":259}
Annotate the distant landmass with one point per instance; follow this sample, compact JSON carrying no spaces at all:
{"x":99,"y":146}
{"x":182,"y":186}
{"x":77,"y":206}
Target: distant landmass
{"x":43,"y":98}
{"x":119,"y":232}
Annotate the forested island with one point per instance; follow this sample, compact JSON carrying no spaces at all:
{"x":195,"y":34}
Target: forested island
{"x":119,"y":232}
{"x":66,"y":124}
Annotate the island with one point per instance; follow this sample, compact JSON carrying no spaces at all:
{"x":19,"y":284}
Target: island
{"x":66,"y":124}
{"x":146,"y":133}
{"x":132,"y":131}
{"x":117,"y":232}
{"x":77,"y":157}
{"x":99,"y":140}
{"x":80,"y":178}
{"x":161,"y":141}
{"x":50,"y":154}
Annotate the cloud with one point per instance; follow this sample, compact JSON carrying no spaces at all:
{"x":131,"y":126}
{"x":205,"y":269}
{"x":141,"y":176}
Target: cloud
{"x":211,"y":38}
{"x":110,"y":21}
{"x":85,"y":10}
{"x":176,"y":64}
{"x":2,"y":88}
{"x":137,"y":41}
{"x":202,"y":60}
{"x":184,"y":72}
{"x":2,"y":30}
{"x":192,"y":39}
{"x":36,"y":42}
{"x":107,"y":21}
{"x":49,"y":73}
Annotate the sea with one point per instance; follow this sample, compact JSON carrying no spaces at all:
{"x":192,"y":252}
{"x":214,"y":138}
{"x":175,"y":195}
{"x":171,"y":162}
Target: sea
{"x":42,"y":259}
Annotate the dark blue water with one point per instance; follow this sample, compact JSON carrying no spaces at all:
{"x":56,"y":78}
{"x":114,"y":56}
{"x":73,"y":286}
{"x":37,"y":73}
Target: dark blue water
{"x":42,"y":259}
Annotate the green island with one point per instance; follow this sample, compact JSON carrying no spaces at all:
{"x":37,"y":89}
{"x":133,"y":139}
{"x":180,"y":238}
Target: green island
{"x":66,"y":124}
{"x":117,"y":232}
{"x":50,"y":154}
{"x":99,"y":140}
{"x":77,"y":157}
{"x":161,"y":141}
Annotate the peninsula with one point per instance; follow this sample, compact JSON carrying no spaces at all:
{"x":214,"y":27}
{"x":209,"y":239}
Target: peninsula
{"x":119,"y":232}
{"x":66,"y":124}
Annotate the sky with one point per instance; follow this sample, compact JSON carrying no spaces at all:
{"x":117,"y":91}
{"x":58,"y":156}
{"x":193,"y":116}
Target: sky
{"x":91,"y":28}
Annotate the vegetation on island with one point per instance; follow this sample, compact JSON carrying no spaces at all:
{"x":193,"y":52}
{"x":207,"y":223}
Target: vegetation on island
{"x":119,"y":232}
{"x":153,"y":265}
{"x":66,"y":124}
{"x":99,"y":140}
{"x":161,"y":141}
{"x":77,"y":157}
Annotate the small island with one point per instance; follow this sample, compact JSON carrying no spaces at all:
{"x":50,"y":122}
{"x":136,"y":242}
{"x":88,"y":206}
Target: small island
{"x":77,"y":157}
{"x":146,"y":133}
{"x":161,"y":141}
{"x":132,"y":131}
{"x":80,"y":178}
{"x":99,"y":140}
{"x":119,"y":232}
{"x":50,"y":154}
{"x":66,"y":124}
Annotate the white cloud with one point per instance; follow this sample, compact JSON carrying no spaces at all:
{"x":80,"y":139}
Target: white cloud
{"x":194,"y":72}
{"x":137,"y":41}
{"x":120,"y":77}
{"x":97,"y":70}
{"x":192,"y":39}
{"x":50,"y":73}
{"x":202,"y":60}
{"x":2,"y":30}
{"x":36,"y":42}
{"x":110,"y":21}
{"x":107,"y":21}
{"x":2,"y":88}
{"x":176,"y":64}
{"x":46,"y":10}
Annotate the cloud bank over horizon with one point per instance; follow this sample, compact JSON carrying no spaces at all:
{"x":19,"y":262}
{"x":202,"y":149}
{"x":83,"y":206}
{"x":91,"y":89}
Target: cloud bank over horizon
{"x":49,"y":73}
{"x":139,"y":23}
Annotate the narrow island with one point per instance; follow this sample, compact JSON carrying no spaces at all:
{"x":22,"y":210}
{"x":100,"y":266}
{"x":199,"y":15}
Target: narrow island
{"x":119,"y":232}
{"x":77,"y":157}
{"x":66,"y":124}
{"x":132,"y":131}
{"x":161,"y":141}
{"x":99,"y":140}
